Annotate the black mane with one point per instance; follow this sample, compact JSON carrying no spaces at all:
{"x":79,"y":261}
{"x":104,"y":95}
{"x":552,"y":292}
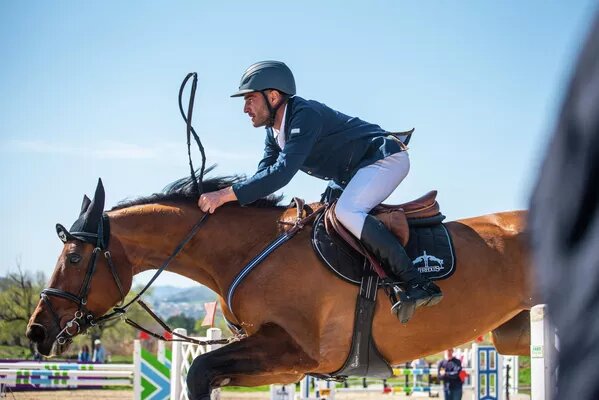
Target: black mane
{"x":183,"y":191}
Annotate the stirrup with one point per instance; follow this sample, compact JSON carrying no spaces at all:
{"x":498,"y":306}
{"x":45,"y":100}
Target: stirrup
{"x":401,"y":306}
{"x":404,"y":310}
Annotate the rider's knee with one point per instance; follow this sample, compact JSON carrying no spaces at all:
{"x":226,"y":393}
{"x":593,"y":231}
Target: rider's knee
{"x":351,"y":218}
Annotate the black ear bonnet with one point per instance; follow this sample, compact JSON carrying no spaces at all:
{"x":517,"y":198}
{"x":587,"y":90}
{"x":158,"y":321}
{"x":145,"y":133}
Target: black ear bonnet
{"x":92,"y":225}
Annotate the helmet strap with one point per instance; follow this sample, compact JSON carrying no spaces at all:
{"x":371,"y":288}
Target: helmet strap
{"x":272,"y":109}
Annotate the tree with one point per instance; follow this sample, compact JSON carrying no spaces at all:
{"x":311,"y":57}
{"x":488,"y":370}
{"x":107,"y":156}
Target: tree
{"x":182,"y":321}
{"x":19,"y":295}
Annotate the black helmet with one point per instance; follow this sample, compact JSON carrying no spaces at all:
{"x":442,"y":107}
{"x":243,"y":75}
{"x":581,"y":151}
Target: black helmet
{"x":266,"y":75}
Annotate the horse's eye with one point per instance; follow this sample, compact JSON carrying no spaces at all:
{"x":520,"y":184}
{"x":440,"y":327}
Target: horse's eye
{"x":74,"y":258}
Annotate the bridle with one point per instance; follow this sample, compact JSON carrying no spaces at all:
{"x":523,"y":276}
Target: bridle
{"x":83,"y":318}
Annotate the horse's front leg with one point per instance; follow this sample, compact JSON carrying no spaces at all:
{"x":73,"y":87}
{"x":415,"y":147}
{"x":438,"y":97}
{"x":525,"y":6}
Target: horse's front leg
{"x":268,"y":356}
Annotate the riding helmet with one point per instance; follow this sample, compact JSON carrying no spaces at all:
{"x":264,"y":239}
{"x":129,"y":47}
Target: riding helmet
{"x":266,"y":75}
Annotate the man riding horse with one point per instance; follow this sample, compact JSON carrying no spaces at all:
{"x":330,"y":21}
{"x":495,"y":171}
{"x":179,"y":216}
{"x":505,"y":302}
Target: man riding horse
{"x":362,"y":158}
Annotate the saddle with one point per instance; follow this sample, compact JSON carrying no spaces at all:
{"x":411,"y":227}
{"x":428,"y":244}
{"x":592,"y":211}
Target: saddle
{"x":394,"y":217}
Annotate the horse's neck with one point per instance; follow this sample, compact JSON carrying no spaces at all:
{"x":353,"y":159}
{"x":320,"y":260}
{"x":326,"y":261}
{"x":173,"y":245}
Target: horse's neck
{"x":150,"y":233}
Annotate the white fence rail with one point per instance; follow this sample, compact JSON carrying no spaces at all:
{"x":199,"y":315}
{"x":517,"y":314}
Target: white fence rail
{"x":183,"y":356}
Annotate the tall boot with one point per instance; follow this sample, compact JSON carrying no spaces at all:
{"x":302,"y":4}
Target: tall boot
{"x":418,"y":290}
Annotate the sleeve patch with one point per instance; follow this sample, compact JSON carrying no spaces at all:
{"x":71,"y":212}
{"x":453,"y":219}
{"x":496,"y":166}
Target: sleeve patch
{"x":295,"y":130}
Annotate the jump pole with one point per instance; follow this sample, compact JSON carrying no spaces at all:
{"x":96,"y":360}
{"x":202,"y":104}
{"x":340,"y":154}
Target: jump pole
{"x":543,"y":355}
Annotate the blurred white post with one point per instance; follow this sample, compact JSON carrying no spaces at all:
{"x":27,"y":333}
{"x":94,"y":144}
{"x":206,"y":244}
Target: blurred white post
{"x":136,"y":370}
{"x":543,"y":355}
{"x":177,"y":362}
{"x":282,"y":392}
{"x":474,"y":376}
{"x":305,"y":388}
{"x":213,"y":334}
{"x":161,"y":354}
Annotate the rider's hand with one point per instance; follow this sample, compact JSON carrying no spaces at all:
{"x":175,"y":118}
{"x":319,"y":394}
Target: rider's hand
{"x":209,"y":202}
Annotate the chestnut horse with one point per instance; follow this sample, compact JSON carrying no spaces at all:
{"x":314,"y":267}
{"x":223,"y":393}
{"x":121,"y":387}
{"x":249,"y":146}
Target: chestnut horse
{"x":298,"y":315}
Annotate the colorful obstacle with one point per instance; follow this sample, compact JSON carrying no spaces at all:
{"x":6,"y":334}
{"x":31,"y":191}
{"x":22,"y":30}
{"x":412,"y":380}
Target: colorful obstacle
{"x":153,"y":377}
{"x":51,"y":375}
{"x":487,"y":374}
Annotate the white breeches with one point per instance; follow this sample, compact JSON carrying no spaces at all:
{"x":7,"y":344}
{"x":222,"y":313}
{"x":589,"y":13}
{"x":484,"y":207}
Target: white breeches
{"x":368,"y":188}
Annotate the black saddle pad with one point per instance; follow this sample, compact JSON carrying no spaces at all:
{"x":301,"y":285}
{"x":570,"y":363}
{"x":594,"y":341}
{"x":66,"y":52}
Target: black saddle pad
{"x":429,"y":247}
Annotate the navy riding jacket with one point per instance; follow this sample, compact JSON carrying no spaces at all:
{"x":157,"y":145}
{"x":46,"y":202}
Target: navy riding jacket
{"x":319,"y":141}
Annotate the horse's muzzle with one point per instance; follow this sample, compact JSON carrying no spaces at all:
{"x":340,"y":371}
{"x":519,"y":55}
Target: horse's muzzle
{"x":36,"y":333}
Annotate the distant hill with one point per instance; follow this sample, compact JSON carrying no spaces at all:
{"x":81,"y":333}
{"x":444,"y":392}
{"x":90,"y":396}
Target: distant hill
{"x":172,"y":294}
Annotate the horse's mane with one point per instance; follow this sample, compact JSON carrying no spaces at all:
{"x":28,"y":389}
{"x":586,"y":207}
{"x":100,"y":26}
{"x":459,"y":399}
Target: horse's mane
{"x":183,"y":191}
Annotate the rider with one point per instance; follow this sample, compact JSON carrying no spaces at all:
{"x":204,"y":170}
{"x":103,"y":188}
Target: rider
{"x":367,"y":161}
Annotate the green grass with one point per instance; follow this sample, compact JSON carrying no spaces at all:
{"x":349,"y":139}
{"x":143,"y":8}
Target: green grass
{"x":524,"y":374}
{"x":15,"y":352}
{"x":121,"y":359}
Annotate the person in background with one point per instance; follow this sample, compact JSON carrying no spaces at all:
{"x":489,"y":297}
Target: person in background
{"x":99,"y":352}
{"x":84,"y":355}
{"x":448,"y":371}
{"x":419,"y":363}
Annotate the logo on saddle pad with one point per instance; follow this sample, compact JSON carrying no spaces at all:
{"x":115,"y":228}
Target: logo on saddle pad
{"x":429,"y":263}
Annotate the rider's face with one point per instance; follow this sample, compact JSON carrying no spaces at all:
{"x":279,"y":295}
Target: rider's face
{"x":255,"y":107}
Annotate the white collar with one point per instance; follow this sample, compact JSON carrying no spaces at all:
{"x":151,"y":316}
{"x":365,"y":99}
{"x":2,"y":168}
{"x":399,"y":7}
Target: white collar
{"x":276,"y":132}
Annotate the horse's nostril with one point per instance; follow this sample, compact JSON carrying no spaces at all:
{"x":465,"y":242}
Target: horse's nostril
{"x":36,"y":333}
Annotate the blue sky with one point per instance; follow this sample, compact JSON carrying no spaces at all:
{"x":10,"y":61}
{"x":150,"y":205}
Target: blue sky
{"x":90,"y":90}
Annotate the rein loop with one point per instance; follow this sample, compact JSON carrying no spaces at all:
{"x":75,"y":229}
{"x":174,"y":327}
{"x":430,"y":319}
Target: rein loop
{"x":190,"y":131}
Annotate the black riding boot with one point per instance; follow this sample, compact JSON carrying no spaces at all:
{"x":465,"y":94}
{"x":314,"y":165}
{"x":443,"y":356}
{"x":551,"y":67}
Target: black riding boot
{"x":418,"y":290}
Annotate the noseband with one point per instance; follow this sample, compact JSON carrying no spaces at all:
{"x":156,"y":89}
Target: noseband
{"x":83,"y":318}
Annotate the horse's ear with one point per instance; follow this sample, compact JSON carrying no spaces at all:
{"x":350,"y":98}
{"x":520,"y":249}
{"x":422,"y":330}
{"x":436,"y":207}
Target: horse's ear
{"x":85,"y":205}
{"x":96,"y":208}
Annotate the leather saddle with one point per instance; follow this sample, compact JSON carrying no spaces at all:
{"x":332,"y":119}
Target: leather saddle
{"x":398,"y":218}
{"x":424,"y":210}
{"x":394,"y":217}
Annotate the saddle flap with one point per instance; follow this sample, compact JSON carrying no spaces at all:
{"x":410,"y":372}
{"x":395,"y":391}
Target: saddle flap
{"x":397,"y":223}
{"x":334,"y":227}
{"x":394,"y":221}
{"x":423,"y":207}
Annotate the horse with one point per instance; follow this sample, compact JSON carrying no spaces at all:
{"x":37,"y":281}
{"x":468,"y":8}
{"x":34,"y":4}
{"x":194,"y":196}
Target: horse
{"x":298,"y":316}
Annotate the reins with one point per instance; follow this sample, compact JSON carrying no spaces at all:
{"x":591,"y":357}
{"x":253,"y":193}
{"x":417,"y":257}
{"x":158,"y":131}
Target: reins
{"x":83,"y":318}
{"x":119,"y":311}
{"x":190,"y":131}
